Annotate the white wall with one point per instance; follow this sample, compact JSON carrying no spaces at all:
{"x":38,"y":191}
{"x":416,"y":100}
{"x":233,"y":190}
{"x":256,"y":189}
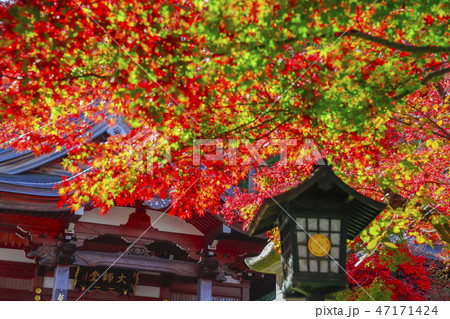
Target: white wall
{"x":147,"y":291}
{"x":17,"y":255}
{"x":119,"y":215}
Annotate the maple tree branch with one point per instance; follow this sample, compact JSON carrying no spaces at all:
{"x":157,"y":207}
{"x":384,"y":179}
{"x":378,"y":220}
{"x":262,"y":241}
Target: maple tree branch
{"x":436,"y":182}
{"x":238,"y":127}
{"x":10,"y":77}
{"x":395,"y":45}
{"x":434,"y":132}
{"x":397,"y":201}
{"x":400,"y":121}
{"x":262,"y":123}
{"x":442,"y":229}
{"x":447,"y":135}
{"x":252,"y":103}
{"x":276,"y":127}
{"x":252,"y":121}
{"x":431,"y":75}
{"x":424,"y":81}
{"x":438,"y":134}
{"x":87,"y":75}
{"x":442,"y":92}
{"x":409,"y":124}
{"x":371,"y":190}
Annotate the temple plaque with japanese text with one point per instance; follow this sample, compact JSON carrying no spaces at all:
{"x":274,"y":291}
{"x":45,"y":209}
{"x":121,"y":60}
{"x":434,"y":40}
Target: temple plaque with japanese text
{"x":121,"y":281}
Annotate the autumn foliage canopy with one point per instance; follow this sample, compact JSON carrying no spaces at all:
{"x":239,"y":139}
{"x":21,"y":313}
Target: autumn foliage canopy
{"x":362,"y":83}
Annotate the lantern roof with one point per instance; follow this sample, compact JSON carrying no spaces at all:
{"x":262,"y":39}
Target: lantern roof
{"x":321,"y":185}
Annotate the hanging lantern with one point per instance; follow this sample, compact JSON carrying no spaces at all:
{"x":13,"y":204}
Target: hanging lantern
{"x":315,"y":220}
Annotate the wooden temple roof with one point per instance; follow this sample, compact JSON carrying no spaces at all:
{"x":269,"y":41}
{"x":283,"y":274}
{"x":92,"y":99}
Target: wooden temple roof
{"x":27,"y":186}
{"x":13,"y":162}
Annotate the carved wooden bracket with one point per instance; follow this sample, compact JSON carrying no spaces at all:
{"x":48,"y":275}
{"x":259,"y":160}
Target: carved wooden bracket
{"x":142,"y":263}
{"x":46,"y":255}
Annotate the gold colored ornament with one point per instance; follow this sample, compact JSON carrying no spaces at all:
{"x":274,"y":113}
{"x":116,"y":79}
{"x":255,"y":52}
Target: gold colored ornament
{"x":37,"y":297}
{"x":38,"y":290}
{"x":319,"y":245}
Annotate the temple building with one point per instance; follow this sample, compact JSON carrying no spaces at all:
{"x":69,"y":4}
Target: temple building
{"x":51,"y":253}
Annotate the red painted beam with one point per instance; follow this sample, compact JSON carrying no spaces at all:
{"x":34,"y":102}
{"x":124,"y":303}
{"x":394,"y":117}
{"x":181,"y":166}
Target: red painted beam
{"x":10,"y":269}
{"x":86,"y":230}
{"x":28,"y":202}
{"x":35,"y":225}
{"x":10,"y":239}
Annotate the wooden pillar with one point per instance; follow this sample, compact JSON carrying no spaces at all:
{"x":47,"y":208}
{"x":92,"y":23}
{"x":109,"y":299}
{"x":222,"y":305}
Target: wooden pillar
{"x":61,"y":283}
{"x":164,"y":293}
{"x":245,"y":294}
{"x":278,"y":285}
{"x":204,"y":289}
{"x":245,"y":290}
{"x":38,"y":281}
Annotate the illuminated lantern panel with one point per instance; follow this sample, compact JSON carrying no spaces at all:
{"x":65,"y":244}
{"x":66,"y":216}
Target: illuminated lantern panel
{"x":318,"y":242}
{"x":313,"y":245}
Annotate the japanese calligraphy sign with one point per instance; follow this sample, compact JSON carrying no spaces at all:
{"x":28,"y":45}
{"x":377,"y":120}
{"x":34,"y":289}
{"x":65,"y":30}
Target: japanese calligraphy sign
{"x":60,"y":295}
{"x":121,"y":281}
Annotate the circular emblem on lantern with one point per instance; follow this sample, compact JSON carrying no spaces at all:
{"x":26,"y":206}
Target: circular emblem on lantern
{"x":319,"y":245}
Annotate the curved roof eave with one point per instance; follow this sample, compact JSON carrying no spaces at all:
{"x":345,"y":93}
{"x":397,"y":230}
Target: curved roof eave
{"x":321,"y":172}
{"x":265,"y":217}
{"x":26,"y":161}
{"x":28,"y":190}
